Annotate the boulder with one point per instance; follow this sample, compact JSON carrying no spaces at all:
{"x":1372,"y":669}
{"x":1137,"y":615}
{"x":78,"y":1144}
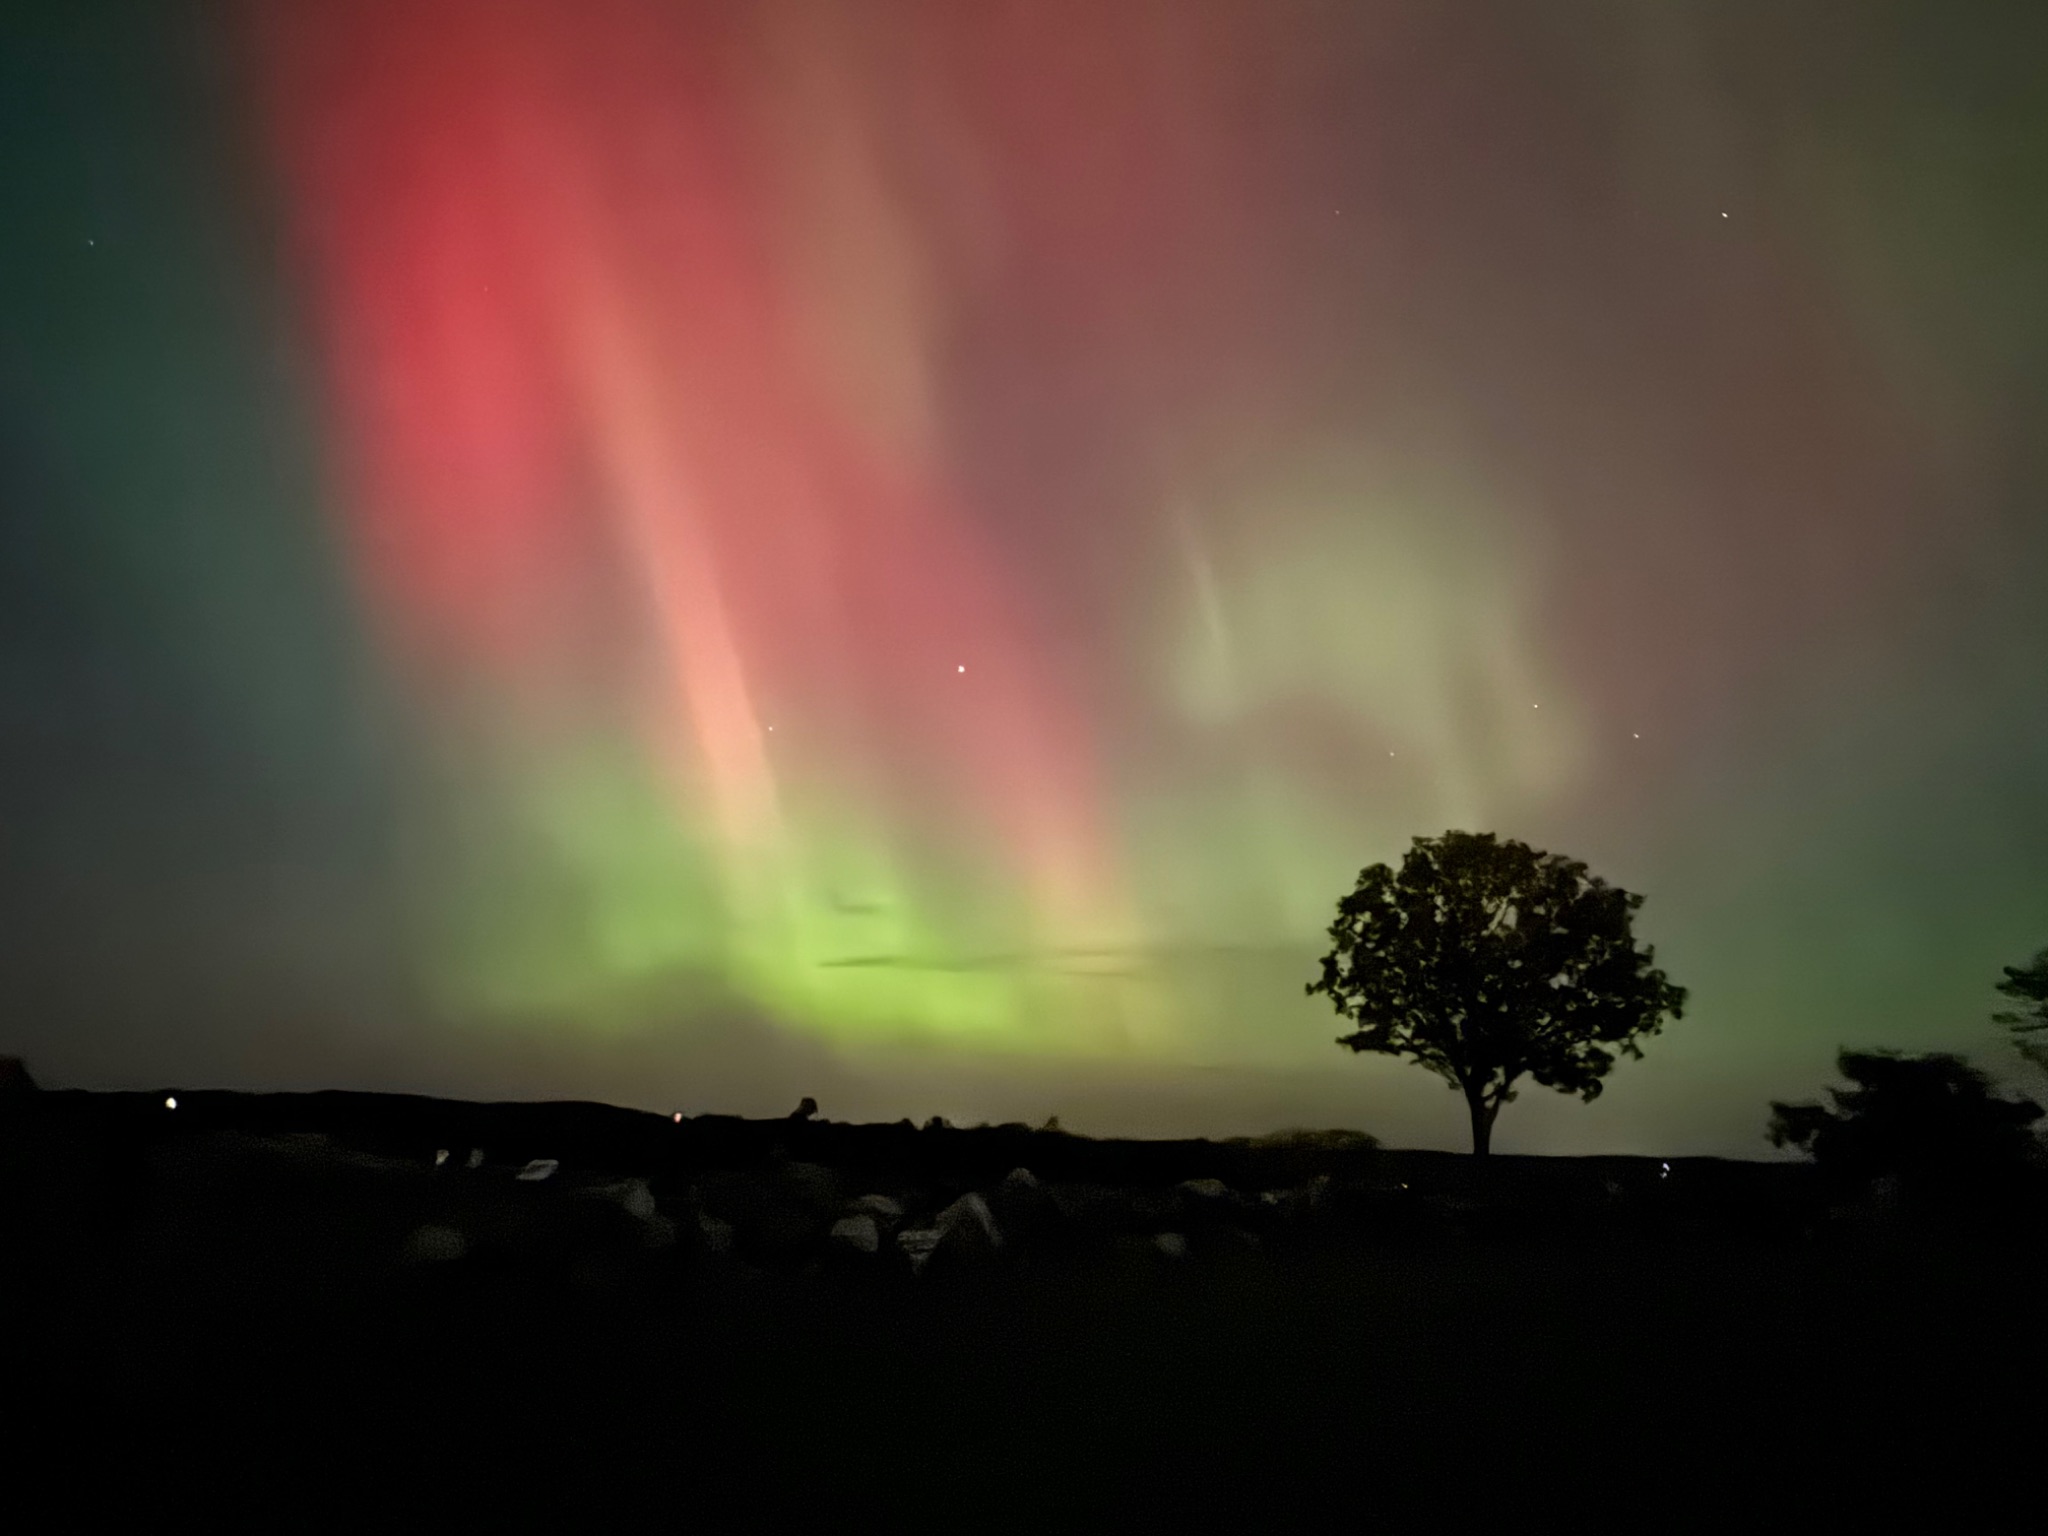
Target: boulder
{"x":540,"y":1168}
{"x":812,"y":1184}
{"x":435,"y":1244}
{"x":630,"y":1195}
{"x":717,"y":1235}
{"x":856,"y":1234}
{"x":968,"y":1225}
{"x":1172,"y":1244}
{"x":884,"y":1210}
{"x":918,"y":1244}
{"x":1093,"y":1212}
{"x":1087,"y":1205}
{"x":963,"y":1232}
{"x":635,"y":1199}
{"x":773,"y":1213}
{"x":1309,"y":1198}
{"x":1024,"y":1209}
{"x":1203,"y":1203}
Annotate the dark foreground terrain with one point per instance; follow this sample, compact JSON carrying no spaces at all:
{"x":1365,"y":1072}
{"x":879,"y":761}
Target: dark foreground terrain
{"x":294,"y":1311}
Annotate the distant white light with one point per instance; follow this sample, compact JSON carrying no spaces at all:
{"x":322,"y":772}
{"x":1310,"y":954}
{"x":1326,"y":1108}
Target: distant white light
{"x":679,"y":1117}
{"x":1724,"y":215}
{"x":1666,"y":1173}
{"x":171,"y":1102}
{"x":440,"y":1156}
{"x":1638,"y":735}
{"x":961,"y":668}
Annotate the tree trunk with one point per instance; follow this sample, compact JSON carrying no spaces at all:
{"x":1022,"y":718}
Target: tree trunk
{"x":1482,"y":1122}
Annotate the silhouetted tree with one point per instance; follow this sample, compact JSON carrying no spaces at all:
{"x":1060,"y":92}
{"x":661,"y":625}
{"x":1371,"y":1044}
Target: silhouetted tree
{"x":2028,"y":1024}
{"x":1488,"y":961}
{"x":1929,"y":1120}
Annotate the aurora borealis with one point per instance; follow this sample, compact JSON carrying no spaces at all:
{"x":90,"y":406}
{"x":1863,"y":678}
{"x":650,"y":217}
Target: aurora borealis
{"x":698,"y":553}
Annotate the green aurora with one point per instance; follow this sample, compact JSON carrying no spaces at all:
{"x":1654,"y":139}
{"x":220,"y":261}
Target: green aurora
{"x":912,"y":561}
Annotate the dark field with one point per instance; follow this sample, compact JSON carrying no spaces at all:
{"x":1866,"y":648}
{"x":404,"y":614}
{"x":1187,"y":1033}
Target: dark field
{"x":219,"y":1323}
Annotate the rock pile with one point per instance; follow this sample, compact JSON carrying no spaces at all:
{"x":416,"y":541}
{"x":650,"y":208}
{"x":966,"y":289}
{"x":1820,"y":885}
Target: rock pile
{"x":793,"y":1214}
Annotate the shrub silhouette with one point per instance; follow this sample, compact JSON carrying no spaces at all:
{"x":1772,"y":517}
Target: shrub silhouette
{"x":1488,"y":961}
{"x":1931,"y":1121}
{"x":2027,"y":985}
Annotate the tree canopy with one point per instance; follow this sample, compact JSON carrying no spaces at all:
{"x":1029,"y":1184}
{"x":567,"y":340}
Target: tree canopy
{"x":1929,"y":1119}
{"x":1486,"y":962}
{"x":2027,"y":986}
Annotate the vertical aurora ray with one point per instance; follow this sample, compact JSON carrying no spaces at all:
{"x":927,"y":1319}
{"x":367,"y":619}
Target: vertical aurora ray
{"x":1307,"y":425}
{"x":600,"y":485}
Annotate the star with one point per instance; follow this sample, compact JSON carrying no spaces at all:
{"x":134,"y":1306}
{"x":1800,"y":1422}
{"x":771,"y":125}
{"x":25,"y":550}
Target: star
{"x":961,"y":668}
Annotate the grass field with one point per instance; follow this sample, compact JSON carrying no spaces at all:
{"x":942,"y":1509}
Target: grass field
{"x":218,"y":1363}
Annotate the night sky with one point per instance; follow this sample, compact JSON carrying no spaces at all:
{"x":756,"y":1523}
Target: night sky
{"x":695,"y":554}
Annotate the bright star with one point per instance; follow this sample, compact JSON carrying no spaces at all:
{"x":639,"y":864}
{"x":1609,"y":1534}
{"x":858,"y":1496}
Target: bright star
{"x":960,"y":669}
{"x":171,"y":1102}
